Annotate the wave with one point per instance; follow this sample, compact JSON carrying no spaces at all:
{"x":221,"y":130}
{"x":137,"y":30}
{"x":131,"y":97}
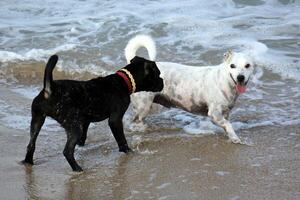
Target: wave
{"x":34,"y":54}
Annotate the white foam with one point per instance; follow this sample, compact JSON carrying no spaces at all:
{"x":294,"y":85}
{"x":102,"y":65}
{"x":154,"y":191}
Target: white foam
{"x":28,"y":92}
{"x":162,"y":186}
{"x":6,"y":56}
{"x":16,"y":121}
{"x":22,"y":122}
{"x":202,"y":128}
{"x":19,"y":117}
{"x":280,"y":64}
{"x":222,"y":173}
{"x":33,"y":54}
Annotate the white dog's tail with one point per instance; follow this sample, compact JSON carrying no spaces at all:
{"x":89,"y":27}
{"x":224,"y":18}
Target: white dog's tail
{"x":140,"y":41}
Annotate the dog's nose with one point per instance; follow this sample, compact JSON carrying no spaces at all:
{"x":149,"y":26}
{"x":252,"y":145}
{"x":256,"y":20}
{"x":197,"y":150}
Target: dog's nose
{"x":240,"y":78}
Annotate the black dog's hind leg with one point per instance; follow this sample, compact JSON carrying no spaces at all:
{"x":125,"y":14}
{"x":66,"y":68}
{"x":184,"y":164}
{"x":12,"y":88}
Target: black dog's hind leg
{"x":82,"y":138}
{"x":37,"y":122}
{"x":73,"y":135}
{"x":116,"y":126}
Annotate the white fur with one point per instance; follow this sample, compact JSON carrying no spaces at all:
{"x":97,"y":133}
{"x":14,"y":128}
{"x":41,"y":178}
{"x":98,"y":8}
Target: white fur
{"x":191,"y":87}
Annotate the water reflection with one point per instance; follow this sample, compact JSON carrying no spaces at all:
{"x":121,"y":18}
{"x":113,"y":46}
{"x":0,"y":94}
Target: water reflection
{"x":30,"y":184}
{"x":103,"y":182}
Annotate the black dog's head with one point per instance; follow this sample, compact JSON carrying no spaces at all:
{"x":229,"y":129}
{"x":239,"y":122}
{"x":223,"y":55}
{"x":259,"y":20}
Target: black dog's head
{"x":146,"y":75}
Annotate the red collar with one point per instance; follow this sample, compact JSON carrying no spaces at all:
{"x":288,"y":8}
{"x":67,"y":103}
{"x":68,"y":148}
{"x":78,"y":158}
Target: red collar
{"x":126,"y":79}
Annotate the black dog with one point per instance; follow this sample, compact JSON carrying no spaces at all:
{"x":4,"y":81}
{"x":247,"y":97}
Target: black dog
{"x":75,"y":104}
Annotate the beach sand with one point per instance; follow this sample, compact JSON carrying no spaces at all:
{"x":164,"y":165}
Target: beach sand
{"x":172,"y":166}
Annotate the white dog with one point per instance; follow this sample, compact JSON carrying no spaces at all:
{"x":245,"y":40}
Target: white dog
{"x":207,"y":90}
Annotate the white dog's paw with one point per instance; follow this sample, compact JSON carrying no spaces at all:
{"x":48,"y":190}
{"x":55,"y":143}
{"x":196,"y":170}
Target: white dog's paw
{"x":235,"y":140}
{"x":137,"y":127}
{"x":239,"y":141}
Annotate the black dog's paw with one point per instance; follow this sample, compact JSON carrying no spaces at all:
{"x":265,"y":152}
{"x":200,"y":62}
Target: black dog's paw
{"x":78,"y":169}
{"x":81,"y":143}
{"x":125,"y":149}
{"x":26,"y":162}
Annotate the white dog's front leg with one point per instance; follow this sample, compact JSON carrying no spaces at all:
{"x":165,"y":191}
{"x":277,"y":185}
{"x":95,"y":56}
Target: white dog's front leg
{"x":219,"y":119}
{"x":141,"y":103}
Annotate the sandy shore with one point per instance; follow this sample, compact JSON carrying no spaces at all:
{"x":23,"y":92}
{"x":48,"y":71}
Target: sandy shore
{"x":172,"y":166}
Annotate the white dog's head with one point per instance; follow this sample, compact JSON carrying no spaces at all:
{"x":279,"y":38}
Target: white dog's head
{"x":239,"y":67}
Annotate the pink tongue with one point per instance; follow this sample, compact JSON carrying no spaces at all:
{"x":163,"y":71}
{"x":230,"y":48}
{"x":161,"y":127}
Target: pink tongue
{"x":240,"y":88}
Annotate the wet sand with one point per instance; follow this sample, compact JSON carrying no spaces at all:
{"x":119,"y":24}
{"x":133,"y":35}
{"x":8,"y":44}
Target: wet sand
{"x":172,"y":166}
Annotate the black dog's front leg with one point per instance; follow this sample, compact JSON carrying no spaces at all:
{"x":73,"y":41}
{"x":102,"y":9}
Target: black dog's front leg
{"x":116,"y":126}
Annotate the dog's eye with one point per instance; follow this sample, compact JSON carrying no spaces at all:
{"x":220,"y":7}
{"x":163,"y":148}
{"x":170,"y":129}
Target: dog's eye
{"x":232,"y":65}
{"x":247,"y":65}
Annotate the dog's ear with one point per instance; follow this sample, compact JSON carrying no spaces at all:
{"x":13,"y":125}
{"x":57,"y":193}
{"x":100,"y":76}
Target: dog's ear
{"x":228,"y":56}
{"x":150,"y":67}
{"x":147,"y":68}
{"x":137,"y":59}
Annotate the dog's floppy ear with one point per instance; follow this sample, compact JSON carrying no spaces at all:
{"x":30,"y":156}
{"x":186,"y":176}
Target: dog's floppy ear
{"x":228,"y":56}
{"x":137,"y":59}
{"x":150,"y":67}
{"x":147,"y":68}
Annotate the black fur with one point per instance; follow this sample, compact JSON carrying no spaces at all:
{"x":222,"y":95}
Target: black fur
{"x":75,"y":104}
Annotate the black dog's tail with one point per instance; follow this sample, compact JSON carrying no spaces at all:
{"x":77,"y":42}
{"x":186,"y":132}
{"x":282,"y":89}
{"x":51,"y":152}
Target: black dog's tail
{"x":48,"y":79}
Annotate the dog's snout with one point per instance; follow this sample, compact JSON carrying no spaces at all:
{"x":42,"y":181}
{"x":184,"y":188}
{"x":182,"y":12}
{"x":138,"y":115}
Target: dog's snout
{"x":241,"y":78}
